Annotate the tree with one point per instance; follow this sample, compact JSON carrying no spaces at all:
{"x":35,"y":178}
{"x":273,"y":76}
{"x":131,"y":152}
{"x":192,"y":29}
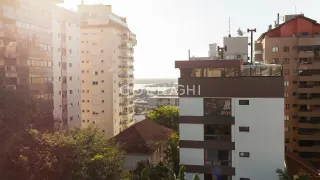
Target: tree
{"x":196,"y":177}
{"x":159,"y":171}
{"x":283,"y":174}
{"x":166,"y":116}
{"x":18,"y":114}
{"x":171,"y":153}
{"x":181,"y":175}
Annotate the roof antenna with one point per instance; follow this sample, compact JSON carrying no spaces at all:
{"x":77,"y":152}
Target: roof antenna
{"x":229,"y":27}
{"x":295,"y":9}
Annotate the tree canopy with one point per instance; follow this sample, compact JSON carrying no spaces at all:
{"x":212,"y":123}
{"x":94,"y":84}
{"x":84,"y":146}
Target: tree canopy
{"x":166,"y":116}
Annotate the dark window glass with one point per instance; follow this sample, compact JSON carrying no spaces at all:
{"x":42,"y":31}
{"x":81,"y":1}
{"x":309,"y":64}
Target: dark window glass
{"x":243,"y":102}
{"x":244,"y":129}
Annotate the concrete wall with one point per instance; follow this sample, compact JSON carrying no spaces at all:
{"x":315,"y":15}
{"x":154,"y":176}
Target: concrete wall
{"x":191,"y":156}
{"x":264,"y":141}
{"x":236,"y":46}
{"x":191,"y":106}
{"x":131,"y":160}
{"x":193,"y":132}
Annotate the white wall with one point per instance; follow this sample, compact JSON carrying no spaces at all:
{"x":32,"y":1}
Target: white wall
{"x":264,"y":142}
{"x":131,"y":160}
{"x":191,"y":106}
{"x":236,"y":46}
{"x":192,"y":132}
{"x":191,"y":156}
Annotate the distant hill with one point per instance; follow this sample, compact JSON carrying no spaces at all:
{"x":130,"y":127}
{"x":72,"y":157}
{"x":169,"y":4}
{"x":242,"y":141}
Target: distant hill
{"x":155,"y":81}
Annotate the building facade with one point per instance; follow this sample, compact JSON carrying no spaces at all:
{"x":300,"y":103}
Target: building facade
{"x":156,"y":101}
{"x":66,"y":66}
{"x":106,"y":69}
{"x":295,"y":44}
{"x":26,"y":60}
{"x":230,"y":120}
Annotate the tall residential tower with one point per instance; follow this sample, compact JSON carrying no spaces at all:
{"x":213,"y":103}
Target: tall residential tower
{"x":107,"y":69}
{"x":295,"y":44}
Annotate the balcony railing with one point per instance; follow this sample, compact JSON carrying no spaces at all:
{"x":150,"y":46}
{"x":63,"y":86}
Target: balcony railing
{"x":217,"y":137}
{"x":262,"y":70}
{"x":218,"y":162}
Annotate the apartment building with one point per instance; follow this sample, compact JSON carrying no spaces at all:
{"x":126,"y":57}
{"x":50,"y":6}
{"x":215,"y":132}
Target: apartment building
{"x":107,"y":69}
{"x":66,"y":66}
{"x":157,"y":101}
{"x":26,"y":60}
{"x":295,"y":44}
{"x":230,"y":119}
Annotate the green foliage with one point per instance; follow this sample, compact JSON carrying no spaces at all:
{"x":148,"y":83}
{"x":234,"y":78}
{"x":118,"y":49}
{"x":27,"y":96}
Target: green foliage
{"x":171,"y":153}
{"x":151,"y":172}
{"x":181,"y":175}
{"x":283,"y":174}
{"x":166,"y":116}
{"x":196,"y":177}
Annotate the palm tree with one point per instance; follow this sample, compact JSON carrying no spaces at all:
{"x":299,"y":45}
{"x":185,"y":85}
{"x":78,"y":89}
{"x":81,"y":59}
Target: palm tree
{"x":283,"y":174}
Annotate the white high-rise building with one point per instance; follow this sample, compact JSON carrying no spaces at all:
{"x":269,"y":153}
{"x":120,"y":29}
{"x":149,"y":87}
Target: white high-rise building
{"x":66,"y":66}
{"x":107,"y":69}
{"x":231,"y":122}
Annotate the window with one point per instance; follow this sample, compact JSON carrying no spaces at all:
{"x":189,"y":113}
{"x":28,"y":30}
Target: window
{"x":101,"y":51}
{"x":96,"y":72}
{"x":286,"y":83}
{"x":286,"y":71}
{"x":71,"y":118}
{"x":244,"y":179}
{"x":71,"y":104}
{"x":70,"y":78}
{"x":287,"y":118}
{"x":93,"y":122}
{"x":286,"y":61}
{"x":102,"y":111}
{"x":294,"y":47}
{"x":94,"y":82}
{"x":286,"y":95}
{"x":59,"y":92}
{"x":101,"y":61}
{"x":294,"y":105}
{"x":102,"y":81}
{"x":102,"y":101}
{"x":294,"y":70}
{"x":102,"y":71}
{"x":102,"y":91}
{"x":70,"y":64}
{"x":70,"y":51}
{"x":243,"y":102}
{"x":82,"y":110}
{"x":244,"y":154}
{"x":88,"y":91}
{"x":70,"y":91}
{"x":83,"y":101}
{"x":243,"y":128}
{"x":275,"y":49}
{"x":294,"y":82}
{"x":286,"y":129}
{"x":287,"y":106}
{"x":286,"y":49}
{"x":294,"y":94}
{"x":304,"y":34}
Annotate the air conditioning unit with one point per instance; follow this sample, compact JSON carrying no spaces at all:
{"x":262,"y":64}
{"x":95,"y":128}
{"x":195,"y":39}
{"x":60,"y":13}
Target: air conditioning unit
{"x":238,"y":56}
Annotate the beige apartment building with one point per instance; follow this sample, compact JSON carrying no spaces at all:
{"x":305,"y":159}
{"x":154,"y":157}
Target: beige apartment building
{"x":106,"y":69}
{"x":295,"y":44}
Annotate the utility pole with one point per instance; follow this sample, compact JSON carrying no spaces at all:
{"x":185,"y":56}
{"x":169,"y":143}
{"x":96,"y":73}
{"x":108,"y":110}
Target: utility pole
{"x":251,"y":44}
{"x":222,"y":49}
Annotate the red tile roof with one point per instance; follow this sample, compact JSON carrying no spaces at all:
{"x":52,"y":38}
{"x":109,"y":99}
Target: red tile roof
{"x":298,"y":16}
{"x":301,"y":163}
{"x":143,"y":137}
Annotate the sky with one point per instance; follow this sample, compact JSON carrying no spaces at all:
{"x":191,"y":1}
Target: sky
{"x":166,"y":29}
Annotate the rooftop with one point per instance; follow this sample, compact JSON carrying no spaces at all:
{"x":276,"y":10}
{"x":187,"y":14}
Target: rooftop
{"x":244,"y":68}
{"x":143,"y":137}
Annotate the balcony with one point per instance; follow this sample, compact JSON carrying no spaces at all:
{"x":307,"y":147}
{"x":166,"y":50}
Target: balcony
{"x":308,"y":113}
{"x":309,"y":101}
{"x":309,"y":149}
{"x":309,"y":137}
{"x":309,"y":77}
{"x":123,"y":122}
